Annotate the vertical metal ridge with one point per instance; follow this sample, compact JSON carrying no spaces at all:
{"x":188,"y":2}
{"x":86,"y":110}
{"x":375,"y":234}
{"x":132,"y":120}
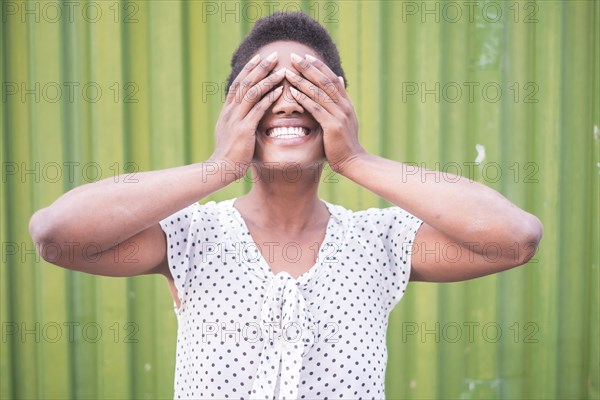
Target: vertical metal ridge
{"x":594,"y":364}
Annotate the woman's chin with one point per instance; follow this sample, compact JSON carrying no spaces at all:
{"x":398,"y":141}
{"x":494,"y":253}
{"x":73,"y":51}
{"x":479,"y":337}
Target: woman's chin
{"x":288,"y":163}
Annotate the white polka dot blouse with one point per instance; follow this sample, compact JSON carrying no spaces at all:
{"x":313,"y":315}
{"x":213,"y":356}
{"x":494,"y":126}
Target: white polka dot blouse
{"x":246,"y":333}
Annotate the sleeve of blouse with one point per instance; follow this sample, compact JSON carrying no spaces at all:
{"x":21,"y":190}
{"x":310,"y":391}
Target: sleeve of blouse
{"x":396,"y":230}
{"x":180,"y":231}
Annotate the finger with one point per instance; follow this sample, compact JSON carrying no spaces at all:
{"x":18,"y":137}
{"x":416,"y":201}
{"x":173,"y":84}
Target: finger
{"x":233,"y":88}
{"x":253,"y":71}
{"x":321,"y":66}
{"x":315,"y":109}
{"x":259,"y":109}
{"x":323,"y":77}
{"x":256,"y":93}
{"x":312,"y":91}
{"x":258,"y":73}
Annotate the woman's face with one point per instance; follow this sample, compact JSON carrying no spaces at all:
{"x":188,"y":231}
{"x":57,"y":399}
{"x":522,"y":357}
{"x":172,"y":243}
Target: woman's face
{"x":276,"y":143}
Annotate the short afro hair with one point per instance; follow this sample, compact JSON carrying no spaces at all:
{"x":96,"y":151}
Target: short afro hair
{"x":282,"y":26}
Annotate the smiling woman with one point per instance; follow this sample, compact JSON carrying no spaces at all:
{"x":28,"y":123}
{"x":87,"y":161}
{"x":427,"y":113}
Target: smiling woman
{"x":278,"y":293}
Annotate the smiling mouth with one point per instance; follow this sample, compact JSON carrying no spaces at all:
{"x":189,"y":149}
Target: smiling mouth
{"x":287,"y":132}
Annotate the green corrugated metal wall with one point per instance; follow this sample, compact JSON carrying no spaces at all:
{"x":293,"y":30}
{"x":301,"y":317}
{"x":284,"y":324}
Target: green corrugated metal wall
{"x":95,"y":88}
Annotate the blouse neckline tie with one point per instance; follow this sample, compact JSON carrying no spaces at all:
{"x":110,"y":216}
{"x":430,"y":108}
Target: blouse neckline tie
{"x":287,"y":326}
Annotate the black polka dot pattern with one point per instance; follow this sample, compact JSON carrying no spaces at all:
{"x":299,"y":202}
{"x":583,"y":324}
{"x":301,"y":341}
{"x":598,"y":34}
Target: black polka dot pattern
{"x":246,"y":333}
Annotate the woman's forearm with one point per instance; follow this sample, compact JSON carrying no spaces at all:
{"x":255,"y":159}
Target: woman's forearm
{"x":110,"y":211}
{"x":467,"y":211}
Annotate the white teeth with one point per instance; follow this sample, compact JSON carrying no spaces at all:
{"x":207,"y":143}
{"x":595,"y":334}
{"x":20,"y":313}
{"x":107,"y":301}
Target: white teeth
{"x":288,"y":132}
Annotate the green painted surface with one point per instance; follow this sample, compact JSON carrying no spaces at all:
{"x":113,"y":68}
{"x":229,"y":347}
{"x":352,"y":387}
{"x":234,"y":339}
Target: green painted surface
{"x":111,"y":86}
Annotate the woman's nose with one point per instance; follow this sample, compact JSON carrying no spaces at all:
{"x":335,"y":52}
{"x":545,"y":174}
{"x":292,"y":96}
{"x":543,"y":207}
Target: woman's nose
{"x":286,"y":103}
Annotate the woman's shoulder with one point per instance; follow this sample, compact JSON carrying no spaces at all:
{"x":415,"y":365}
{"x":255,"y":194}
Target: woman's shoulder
{"x":370,"y":214}
{"x":200,"y":212}
{"x":359,"y":212}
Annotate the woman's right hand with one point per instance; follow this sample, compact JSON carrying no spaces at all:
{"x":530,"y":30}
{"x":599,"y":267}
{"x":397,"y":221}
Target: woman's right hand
{"x":78,"y":230}
{"x":247,"y":100}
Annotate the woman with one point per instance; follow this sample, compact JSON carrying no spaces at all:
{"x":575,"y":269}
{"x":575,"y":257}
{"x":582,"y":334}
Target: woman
{"x":278,"y":293}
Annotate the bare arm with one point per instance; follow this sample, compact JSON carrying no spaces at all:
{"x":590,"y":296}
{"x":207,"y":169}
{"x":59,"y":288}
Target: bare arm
{"x":468,"y":231}
{"x":487,"y":232}
{"x":111,"y":227}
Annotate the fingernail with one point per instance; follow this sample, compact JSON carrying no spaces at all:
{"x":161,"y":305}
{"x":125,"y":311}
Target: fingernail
{"x":272,"y":56}
{"x":255,"y":59}
{"x":294,"y":91}
{"x":310,"y":58}
{"x":278,"y":90}
{"x":289,"y":73}
{"x":281,"y":71}
{"x":341,"y":80}
{"x":296,"y":58}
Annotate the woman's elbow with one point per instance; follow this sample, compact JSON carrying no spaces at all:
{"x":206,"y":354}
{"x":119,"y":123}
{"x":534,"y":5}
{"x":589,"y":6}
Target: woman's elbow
{"x":528,"y":238}
{"x":38,"y":228}
{"x":43,"y":233}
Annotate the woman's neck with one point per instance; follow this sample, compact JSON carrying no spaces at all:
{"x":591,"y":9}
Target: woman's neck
{"x":284,"y":201}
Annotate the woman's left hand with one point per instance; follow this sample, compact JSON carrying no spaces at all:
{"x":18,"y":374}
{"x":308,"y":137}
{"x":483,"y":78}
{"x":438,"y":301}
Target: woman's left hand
{"x":323,"y":94}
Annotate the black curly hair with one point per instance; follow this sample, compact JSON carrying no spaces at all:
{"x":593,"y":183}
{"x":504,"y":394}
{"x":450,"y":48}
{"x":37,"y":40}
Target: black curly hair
{"x":293,"y":26}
